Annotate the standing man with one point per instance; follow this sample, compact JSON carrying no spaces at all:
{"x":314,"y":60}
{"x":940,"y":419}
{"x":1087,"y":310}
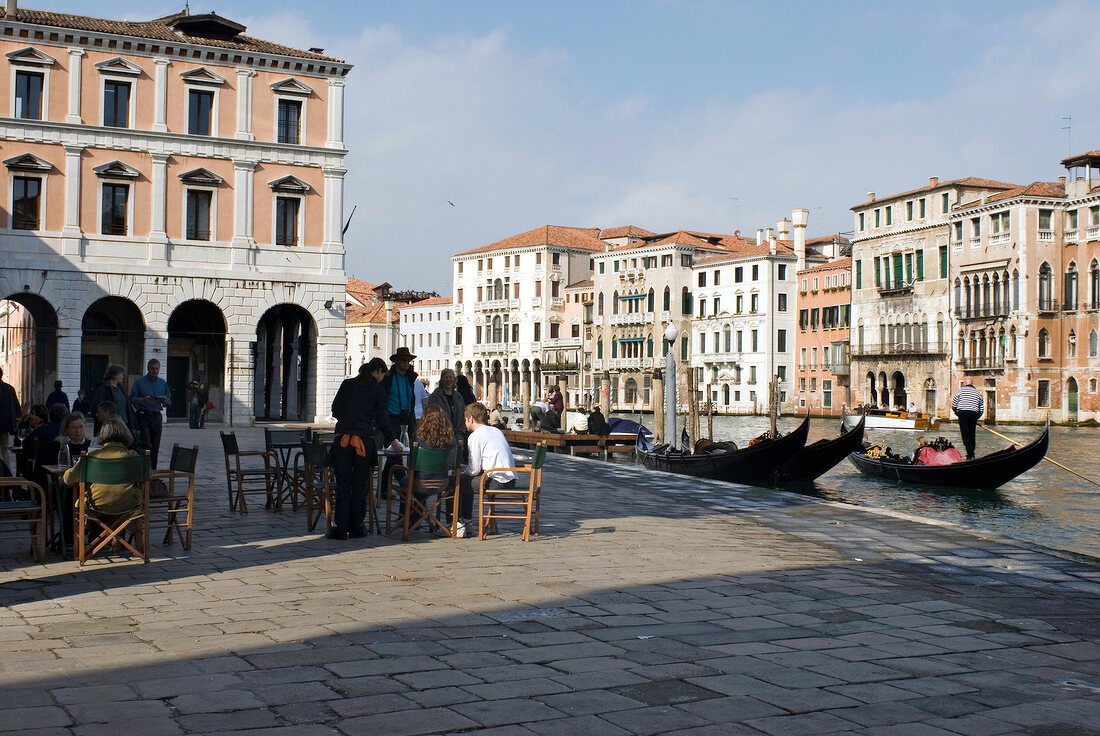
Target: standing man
{"x":448,"y":398}
{"x":111,"y":390}
{"x":9,"y":417}
{"x":488,"y":449}
{"x":400,"y":399}
{"x":57,"y":396}
{"x":968,"y":405}
{"x":150,"y":396}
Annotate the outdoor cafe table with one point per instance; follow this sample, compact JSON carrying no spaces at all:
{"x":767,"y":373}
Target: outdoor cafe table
{"x":60,"y":499}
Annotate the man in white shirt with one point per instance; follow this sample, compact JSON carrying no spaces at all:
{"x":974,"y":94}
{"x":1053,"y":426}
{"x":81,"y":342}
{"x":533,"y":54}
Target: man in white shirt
{"x":420,"y":399}
{"x":488,"y":449}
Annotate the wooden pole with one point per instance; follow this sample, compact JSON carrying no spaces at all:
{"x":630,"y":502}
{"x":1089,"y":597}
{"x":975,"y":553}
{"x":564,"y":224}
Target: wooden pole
{"x":710,"y":414}
{"x":657,"y":400}
{"x":1052,"y":462}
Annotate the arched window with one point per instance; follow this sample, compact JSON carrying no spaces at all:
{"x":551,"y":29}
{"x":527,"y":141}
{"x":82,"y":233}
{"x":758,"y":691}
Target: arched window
{"x":1094,"y":285}
{"x":498,"y":289}
{"x":923,"y":339}
{"x":498,"y":330}
{"x":615,"y":303}
{"x":1012,"y":343}
{"x":376,"y":340}
{"x":1069,"y":290}
{"x":1094,"y":344}
{"x":599,"y":304}
{"x":727,"y":335}
{"x":668,"y":299}
{"x":702,"y":307}
{"x":1046,"y":288}
{"x":967,"y":296}
{"x":649,"y":301}
{"x":725,"y":393}
{"x":941,"y":345}
{"x":958,"y":297}
{"x":1016,"y":290}
{"x":1071,"y":345}
{"x":1001,"y":348}
{"x":1044,"y":343}
{"x":685,"y":301}
{"x":987,"y":297}
{"x":962,"y":345}
{"x":996,"y":293}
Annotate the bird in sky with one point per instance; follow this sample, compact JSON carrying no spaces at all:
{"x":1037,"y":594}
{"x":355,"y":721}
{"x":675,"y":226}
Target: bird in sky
{"x":450,"y":203}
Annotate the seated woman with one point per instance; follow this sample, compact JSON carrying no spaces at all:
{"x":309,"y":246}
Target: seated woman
{"x":434,"y":432}
{"x":111,"y":499}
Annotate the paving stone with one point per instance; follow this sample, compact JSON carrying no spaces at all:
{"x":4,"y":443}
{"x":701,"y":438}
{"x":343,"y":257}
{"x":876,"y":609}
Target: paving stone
{"x":216,"y":702}
{"x":653,"y":720}
{"x":577,"y":726}
{"x":408,"y":723}
{"x":590,"y":702}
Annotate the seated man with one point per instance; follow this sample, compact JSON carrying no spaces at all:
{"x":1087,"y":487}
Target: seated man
{"x":488,"y":449}
{"x":551,"y":421}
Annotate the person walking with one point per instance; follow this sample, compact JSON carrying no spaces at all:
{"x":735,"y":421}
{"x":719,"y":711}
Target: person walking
{"x":57,"y":396}
{"x":9,"y":418}
{"x":150,"y":396}
{"x":968,"y":405}
{"x":111,"y":390}
{"x":360,"y":411}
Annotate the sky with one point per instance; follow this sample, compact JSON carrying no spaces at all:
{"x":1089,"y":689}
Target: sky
{"x":667,"y":114}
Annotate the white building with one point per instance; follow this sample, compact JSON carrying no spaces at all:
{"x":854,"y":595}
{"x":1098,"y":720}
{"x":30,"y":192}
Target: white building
{"x":425,"y":328}
{"x":509,"y":304}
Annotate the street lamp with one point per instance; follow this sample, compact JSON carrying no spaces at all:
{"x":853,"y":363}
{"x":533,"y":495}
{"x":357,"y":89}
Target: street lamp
{"x":670,"y":384}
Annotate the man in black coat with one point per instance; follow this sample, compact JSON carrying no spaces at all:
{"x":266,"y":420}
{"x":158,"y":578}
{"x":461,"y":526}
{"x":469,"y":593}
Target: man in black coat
{"x":400,"y":398}
{"x":9,"y":418}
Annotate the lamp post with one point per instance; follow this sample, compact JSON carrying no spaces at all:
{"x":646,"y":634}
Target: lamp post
{"x":670,"y":385}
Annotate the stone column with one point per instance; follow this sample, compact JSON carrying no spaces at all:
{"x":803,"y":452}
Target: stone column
{"x":605,"y":394}
{"x":158,"y":236}
{"x":335,"y":114}
{"x":563,"y":386}
{"x":75,"y":58}
{"x":333,"y":243}
{"x":656,"y":395}
{"x":244,"y":104}
{"x":71,"y":234}
{"x":239,"y":379}
{"x":160,"y":109}
{"x":525,"y":387}
{"x":242,"y":212}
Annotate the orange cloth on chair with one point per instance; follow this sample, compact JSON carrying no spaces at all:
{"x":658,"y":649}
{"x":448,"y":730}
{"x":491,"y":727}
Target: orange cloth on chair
{"x":355,"y":441}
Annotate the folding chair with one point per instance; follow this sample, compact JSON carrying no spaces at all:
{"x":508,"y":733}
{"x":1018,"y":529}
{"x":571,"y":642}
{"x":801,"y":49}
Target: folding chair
{"x":181,"y":497}
{"x":443,"y":464}
{"x":111,"y":527}
{"x":282,"y":444}
{"x":517,"y":503}
{"x":16,"y":511}
{"x":248,"y":479}
{"x":313,"y":478}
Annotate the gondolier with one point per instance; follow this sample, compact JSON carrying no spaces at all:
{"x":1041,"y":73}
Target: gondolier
{"x":968,"y":405}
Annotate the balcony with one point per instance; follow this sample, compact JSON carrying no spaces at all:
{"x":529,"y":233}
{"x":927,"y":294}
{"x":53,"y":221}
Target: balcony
{"x":562,"y":343}
{"x":901,"y":350}
{"x":559,"y":367}
{"x":536,"y":302}
{"x":840,"y":370}
{"x":622,"y":363}
{"x":666,"y":316}
{"x":1070,"y":236}
{"x":956,"y":244}
{"x":631,"y":274}
{"x":1093,"y":233}
{"x":896,"y":289}
{"x":1070,"y":306}
{"x":497,"y":348}
{"x":497,"y":305}
{"x":1047,"y":305}
{"x":982,"y":364}
{"x":999,"y":238}
{"x":556,"y":302}
{"x":632,"y":318}
{"x":987,"y":312}
{"x":1046,"y":236}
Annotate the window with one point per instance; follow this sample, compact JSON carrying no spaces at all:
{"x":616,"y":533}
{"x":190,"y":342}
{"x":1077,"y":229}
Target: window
{"x":198,"y":214}
{"x":684,"y":348}
{"x":958,"y":232}
{"x":755,"y":340}
{"x":781,"y":341}
{"x":827,"y":384}
{"x":1042,"y":396}
{"x":115,"y":197}
{"x":685,"y":260}
{"x":781,"y":302}
{"x":943,"y":261}
{"x":781,"y":272}
{"x":289,"y":122}
{"x":803,"y":319}
{"x":666,"y":259}
{"x":802,"y":360}
{"x":26,"y":199}
{"x":1094,"y":344}
{"x":685,"y":301}
{"x":458,"y":295}
{"x":861,"y":222}
{"x":28,"y":95}
{"x":738,"y":274}
{"x":717,"y":305}
{"x":555,"y":330}
{"x":813,"y":359}
{"x":667,"y":300}
{"x":575,"y":331}
{"x":116,"y":104}
{"x":754,"y":303}
{"x":1046,"y":288}
{"x":740,"y":303}
{"x":286,"y":220}
{"x":702,"y":278}
{"x":923,"y":202}
{"x":602,"y":264}
{"x":702,"y":342}
{"x":878,"y":218}
{"x":1071,"y":345}
{"x":889,"y":215}
{"x":909,"y":211}
{"x":1044,"y":343}
{"x":702,"y":307}
{"x":538,"y":332}
{"x":717,"y":278}
{"x":946,"y":202}
{"x":755,"y":272}
{"x":998,"y":223}
{"x":515,"y":332}
{"x":200,"y":112}
{"x":740,"y":341}
{"x":1069,"y":291}
{"x":859,"y":274}
{"x":555,"y":259}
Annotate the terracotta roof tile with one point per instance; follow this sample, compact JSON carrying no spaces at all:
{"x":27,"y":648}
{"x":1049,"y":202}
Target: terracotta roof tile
{"x":845,"y":263}
{"x":1081,"y":157}
{"x":374,"y":314}
{"x":586,"y":284}
{"x":827,"y":239}
{"x":160,"y":29}
{"x":577,"y":238}
{"x":1046,"y":189}
{"x":432,"y":301}
{"x":625,"y":231}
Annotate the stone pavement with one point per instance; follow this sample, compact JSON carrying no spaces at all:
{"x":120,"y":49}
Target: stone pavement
{"x":650,"y":604}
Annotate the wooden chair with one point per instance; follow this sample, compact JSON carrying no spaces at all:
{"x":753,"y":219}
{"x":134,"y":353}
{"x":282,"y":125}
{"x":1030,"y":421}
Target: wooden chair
{"x":419,"y":490}
{"x":111,"y":528}
{"x":282,"y":444}
{"x":32,"y":511}
{"x":314,"y":478}
{"x":242,"y":480}
{"x":517,"y":503}
{"x":181,"y":497}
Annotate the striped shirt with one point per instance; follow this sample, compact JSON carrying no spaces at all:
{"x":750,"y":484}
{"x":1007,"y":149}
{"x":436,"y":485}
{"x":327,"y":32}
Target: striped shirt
{"x":967,"y":398}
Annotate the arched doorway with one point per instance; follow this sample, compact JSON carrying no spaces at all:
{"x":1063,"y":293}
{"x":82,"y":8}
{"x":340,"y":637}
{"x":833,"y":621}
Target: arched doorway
{"x":196,"y":352}
{"x":930,"y":397}
{"x":28,"y":346}
{"x":899,"y":390}
{"x":1071,"y":400}
{"x":872,"y":392}
{"x":284,"y":364}
{"x":112,"y":332}
{"x":884,"y":391}
{"x":630,"y":392}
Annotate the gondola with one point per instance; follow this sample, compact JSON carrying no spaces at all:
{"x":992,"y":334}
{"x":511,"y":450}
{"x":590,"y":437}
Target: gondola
{"x":813,"y":461}
{"x":752,"y":465}
{"x":985,"y":473}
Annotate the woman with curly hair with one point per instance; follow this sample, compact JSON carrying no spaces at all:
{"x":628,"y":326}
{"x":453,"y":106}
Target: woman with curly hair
{"x":434,"y":430}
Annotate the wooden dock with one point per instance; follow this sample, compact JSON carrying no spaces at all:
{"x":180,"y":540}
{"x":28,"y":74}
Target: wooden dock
{"x":574,"y":444}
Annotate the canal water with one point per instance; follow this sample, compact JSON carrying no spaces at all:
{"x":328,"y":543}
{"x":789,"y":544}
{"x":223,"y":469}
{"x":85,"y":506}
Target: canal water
{"x":1045,"y":505}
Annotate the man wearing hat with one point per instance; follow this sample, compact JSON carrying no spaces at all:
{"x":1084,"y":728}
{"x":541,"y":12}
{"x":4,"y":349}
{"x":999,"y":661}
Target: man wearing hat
{"x":400,"y":395}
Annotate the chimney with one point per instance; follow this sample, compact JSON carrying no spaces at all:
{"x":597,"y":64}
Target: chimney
{"x":783,"y":228}
{"x":11,"y":9}
{"x":1062,"y":180}
{"x":933,"y":181}
{"x":799,"y":217}
{"x":985,"y":196}
{"x":870,"y":196}
{"x":771,"y":239}
{"x":759,"y":236}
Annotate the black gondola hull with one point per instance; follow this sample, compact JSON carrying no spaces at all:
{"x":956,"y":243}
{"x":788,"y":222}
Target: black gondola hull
{"x":754,"y":465}
{"x":813,"y":461}
{"x":987,"y":473}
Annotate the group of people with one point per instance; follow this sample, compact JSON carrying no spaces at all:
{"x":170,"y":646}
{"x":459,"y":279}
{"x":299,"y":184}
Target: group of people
{"x":388,"y":407}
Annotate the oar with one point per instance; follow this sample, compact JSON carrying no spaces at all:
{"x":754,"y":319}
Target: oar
{"x":1052,"y":462}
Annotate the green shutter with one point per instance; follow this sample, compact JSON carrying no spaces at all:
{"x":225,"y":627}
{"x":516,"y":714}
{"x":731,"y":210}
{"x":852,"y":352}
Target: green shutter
{"x":614,"y":348}
{"x":878,"y":273}
{"x":943,"y":261}
{"x":599,"y":349}
{"x":897,"y":269}
{"x":920,"y":265}
{"x":859,"y":274}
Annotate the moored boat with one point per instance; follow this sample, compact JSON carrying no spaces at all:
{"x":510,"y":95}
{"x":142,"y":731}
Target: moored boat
{"x":813,"y":461}
{"x":986,"y":472}
{"x":887,"y":419}
{"x":752,"y":465}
